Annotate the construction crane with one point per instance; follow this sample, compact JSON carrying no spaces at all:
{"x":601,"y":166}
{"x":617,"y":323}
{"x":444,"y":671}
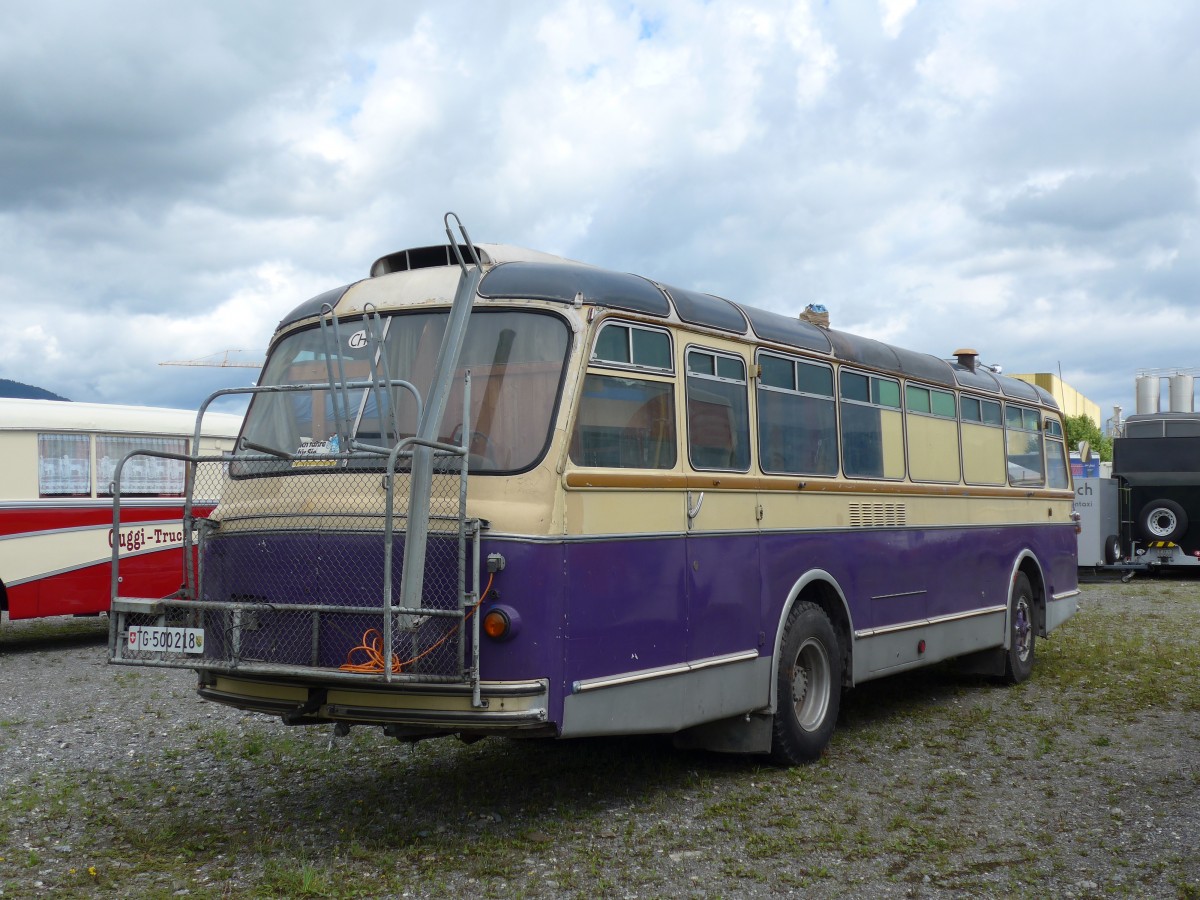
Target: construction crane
{"x":222,"y":359}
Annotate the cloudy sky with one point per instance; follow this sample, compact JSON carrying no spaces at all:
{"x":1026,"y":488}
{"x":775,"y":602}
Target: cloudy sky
{"x":1019,"y":177}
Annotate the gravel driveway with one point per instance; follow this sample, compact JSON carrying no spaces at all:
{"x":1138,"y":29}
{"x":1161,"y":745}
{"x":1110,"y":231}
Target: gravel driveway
{"x":1083,"y":782}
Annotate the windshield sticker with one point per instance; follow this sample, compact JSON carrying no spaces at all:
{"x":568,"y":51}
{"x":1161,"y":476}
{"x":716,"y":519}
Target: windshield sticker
{"x":309,"y":452}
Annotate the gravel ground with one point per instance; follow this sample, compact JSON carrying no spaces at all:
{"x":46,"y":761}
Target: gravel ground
{"x":1084,"y":782}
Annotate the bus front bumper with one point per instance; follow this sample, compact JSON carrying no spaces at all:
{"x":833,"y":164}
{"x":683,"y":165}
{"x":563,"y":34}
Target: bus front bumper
{"x":505,"y":707}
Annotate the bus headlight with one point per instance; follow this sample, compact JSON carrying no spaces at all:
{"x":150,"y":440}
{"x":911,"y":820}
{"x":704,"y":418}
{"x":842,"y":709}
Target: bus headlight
{"x":501,"y":623}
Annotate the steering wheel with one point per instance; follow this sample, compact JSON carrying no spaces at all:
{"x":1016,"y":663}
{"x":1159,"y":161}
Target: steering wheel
{"x":480,"y":451}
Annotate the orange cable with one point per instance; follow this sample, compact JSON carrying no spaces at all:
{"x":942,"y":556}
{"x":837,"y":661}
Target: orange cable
{"x":372,"y":645}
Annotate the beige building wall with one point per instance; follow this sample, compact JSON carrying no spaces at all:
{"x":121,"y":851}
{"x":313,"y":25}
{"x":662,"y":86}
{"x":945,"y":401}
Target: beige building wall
{"x":1069,"y":400}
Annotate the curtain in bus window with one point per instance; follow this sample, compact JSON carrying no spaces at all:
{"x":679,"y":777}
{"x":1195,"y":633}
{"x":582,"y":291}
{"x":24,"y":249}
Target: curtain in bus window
{"x":718,"y":413}
{"x":862,"y":441}
{"x":797,"y":434}
{"x":625,"y":423}
{"x":932,"y":425}
{"x":983,"y":453}
{"x":64,"y":465}
{"x":146,"y":476}
{"x":516,"y":362}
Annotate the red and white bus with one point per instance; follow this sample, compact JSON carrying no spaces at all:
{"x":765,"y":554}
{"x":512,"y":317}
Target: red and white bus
{"x":56,"y":508}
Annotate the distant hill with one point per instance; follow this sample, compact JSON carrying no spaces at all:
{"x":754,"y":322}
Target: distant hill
{"x":26,"y":391}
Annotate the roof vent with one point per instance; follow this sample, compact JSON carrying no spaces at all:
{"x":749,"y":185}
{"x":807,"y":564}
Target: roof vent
{"x":967,"y":358}
{"x":422,"y":258}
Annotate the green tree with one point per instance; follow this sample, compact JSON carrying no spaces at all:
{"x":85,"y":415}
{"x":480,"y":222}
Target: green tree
{"x":1082,"y":428}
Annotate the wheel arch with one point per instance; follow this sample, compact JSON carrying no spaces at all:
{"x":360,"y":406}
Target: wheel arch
{"x":1030,"y":566}
{"x":819,"y":587}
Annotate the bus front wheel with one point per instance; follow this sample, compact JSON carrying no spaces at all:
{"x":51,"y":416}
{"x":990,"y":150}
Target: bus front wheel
{"x":1019,"y":664}
{"x":809,"y":686}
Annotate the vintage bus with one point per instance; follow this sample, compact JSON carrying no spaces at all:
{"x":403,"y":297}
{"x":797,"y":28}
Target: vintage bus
{"x":487,"y":491}
{"x":56,"y":519}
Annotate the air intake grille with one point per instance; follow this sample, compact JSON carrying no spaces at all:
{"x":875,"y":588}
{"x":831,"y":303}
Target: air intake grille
{"x":878,"y":515}
{"x":423,"y":258}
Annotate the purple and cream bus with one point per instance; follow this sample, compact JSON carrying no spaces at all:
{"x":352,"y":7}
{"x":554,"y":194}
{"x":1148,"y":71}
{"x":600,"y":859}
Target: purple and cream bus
{"x":488,"y":491}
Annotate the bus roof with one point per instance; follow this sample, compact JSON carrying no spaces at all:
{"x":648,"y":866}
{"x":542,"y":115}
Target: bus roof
{"x":65,"y":415}
{"x":517,"y":273}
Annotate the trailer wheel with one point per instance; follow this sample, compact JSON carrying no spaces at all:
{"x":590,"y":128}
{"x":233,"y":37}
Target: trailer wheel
{"x":809,"y":687}
{"x":1019,"y":663}
{"x":1163,"y":520}
{"x":1112,"y":549}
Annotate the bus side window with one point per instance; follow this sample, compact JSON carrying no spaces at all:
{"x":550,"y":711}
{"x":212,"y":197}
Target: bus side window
{"x":64,"y":465}
{"x":1056,"y":456}
{"x":1024,"y":443}
{"x":982,"y":441}
{"x":718,"y":411}
{"x":797,"y":420}
{"x":932,"y":428}
{"x":871,"y":426}
{"x":626,"y":423}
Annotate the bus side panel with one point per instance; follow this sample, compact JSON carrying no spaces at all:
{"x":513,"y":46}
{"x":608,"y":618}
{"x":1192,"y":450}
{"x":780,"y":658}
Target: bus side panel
{"x":533,"y":584}
{"x":643,"y":653}
{"x":55,"y":560}
{"x":900,"y":580}
{"x":1057,"y":549}
{"x":626,"y":607}
{"x":724,"y":584}
{"x":86,"y":591}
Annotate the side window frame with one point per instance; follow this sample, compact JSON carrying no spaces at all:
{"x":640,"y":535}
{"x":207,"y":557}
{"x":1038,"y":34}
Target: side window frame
{"x":796,"y":391}
{"x":928,"y":410}
{"x":739,"y":450}
{"x":874,"y":401}
{"x":995,"y":421}
{"x":632,"y":364}
{"x":1027,"y":416}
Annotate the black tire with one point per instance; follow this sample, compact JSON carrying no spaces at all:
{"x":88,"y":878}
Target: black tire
{"x":1112,"y":549}
{"x":1018,"y":663}
{"x":1163,"y":520}
{"x":809,"y":685}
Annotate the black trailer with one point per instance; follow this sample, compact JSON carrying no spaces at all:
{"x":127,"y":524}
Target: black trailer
{"x":1157,"y":466}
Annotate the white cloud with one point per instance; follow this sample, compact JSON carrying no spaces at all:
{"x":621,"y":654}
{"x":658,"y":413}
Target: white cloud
{"x":893,"y":13}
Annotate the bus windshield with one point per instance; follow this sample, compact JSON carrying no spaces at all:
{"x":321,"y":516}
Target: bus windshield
{"x":516,"y":361}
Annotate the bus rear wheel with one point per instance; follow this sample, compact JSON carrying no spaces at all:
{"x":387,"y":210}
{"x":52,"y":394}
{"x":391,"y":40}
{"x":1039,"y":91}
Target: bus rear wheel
{"x":809,"y":687}
{"x":1022,"y":634}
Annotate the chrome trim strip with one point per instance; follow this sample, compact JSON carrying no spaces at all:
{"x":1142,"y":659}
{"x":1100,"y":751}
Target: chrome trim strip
{"x":936,"y":620}
{"x":591,"y":684}
{"x":89,"y":503}
{"x":901,"y":594}
{"x":1065,"y":595}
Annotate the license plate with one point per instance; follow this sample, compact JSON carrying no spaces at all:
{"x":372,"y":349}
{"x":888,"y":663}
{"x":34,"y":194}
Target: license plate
{"x":156,"y":639}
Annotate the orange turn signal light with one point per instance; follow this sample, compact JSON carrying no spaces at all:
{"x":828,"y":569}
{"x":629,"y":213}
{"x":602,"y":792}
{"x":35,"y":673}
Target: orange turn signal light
{"x":496,"y":624}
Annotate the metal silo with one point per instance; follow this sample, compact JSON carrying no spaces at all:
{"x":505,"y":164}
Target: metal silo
{"x":1180,"y":393}
{"x":1147,"y":394}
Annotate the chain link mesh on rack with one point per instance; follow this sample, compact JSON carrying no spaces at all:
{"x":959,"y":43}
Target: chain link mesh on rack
{"x":289,"y":570}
